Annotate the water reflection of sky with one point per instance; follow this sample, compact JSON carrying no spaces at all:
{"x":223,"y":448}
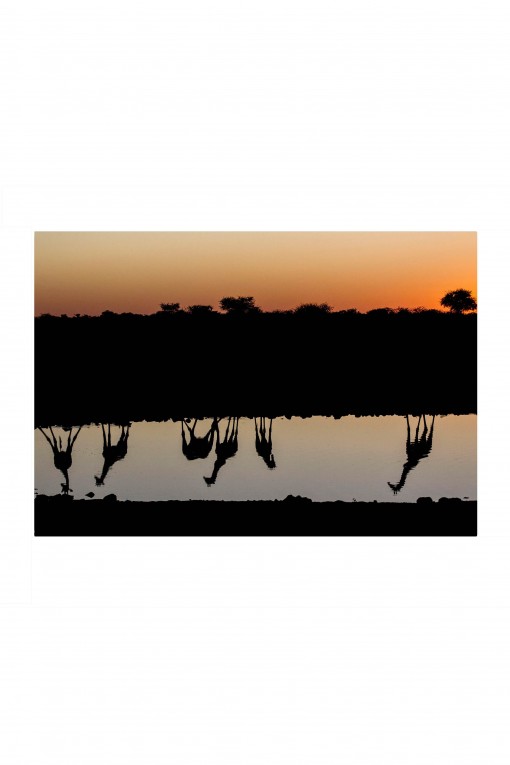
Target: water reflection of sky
{"x":318,"y":457}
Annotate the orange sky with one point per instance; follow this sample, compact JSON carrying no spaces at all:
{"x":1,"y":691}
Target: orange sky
{"x":90,"y":272}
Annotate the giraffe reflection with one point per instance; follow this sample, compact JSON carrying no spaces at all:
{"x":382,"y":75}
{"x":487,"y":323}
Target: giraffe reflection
{"x":112,"y":453}
{"x":225,"y":448}
{"x":264,"y":441}
{"x":62,"y":458}
{"x":416,"y":449}
{"x":198,"y":447}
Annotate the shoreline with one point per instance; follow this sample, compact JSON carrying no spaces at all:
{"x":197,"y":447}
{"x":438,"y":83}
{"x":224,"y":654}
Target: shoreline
{"x":121,"y":415}
{"x":293,"y":516}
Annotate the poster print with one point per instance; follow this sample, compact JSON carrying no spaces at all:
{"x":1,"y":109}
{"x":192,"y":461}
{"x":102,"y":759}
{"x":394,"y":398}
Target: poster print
{"x":264,"y":383}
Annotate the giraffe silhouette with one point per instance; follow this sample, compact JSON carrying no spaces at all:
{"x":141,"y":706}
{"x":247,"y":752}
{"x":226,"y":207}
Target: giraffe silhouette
{"x":62,"y":458}
{"x":225,"y":448}
{"x":416,"y":449}
{"x":112,"y":453}
{"x":198,"y":447}
{"x":264,"y":441}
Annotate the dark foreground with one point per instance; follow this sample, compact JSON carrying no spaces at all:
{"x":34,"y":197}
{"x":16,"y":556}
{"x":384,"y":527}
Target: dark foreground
{"x":131,"y":368}
{"x":294,"y":516}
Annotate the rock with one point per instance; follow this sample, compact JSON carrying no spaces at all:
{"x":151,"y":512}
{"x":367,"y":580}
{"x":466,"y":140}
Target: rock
{"x":110,"y":498}
{"x":424,"y":501}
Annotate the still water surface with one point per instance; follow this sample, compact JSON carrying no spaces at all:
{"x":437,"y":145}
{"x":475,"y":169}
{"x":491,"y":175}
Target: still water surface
{"x":317,"y":457}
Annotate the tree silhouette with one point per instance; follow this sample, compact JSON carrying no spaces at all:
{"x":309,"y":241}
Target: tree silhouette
{"x":170,"y":307}
{"x":239,"y":305}
{"x":459,"y":301}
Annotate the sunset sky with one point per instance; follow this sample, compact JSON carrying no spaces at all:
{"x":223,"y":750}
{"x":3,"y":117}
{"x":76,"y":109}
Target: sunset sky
{"x":91,"y":272}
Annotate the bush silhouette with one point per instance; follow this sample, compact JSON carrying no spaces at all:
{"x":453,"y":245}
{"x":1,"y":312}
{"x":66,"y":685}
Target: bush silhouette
{"x":312,"y":309}
{"x":200,"y":310}
{"x":170,"y":307}
{"x":381,"y":312}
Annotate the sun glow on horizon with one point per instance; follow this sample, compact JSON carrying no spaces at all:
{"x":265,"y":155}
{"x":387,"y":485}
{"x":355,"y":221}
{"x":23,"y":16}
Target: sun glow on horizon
{"x":90,"y":272}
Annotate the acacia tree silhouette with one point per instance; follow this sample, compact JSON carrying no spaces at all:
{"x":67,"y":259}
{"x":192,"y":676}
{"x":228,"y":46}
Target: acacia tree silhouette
{"x":459,"y":301}
{"x":239,"y":305}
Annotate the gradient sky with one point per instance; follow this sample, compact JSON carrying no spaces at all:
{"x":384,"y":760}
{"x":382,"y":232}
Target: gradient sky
{"x":91,"y":272}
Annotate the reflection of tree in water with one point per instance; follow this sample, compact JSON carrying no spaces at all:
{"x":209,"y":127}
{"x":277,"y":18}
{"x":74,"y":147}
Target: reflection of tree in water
{"x":62,"y":458}
{"x":198,"y":447}
{"x":225,"y":448}
{"x":112,"y":453}
{"x":416,"y":449}
{"x":264,"y":441}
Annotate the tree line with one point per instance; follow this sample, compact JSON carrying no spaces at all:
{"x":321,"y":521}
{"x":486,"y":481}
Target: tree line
{"x":457,"y":302}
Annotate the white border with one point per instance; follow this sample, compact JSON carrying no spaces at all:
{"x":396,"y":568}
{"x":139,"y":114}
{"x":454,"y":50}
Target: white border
{"x":269,"y":117}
